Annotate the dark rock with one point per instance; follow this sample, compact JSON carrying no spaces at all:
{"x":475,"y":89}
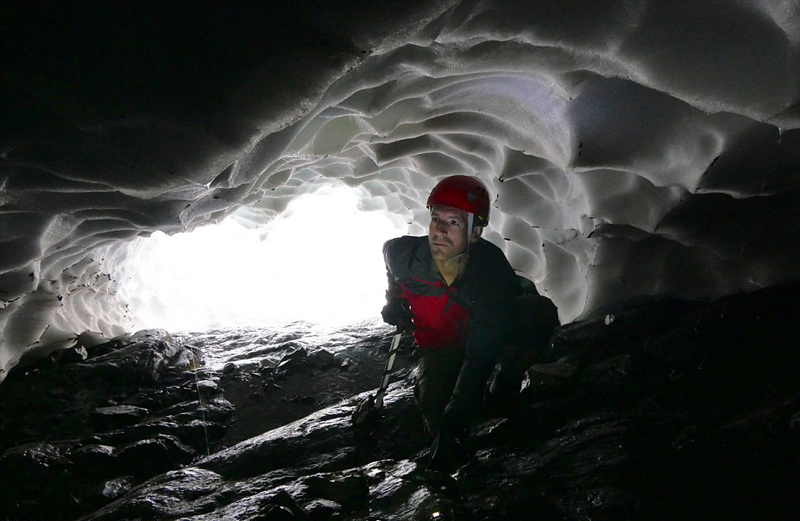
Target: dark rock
{"x":322,"y":359}
{"x":206,"y":386}
{"x":88,"y":340}
{"x":100,"y":346}
{"x":671,"y":411}
{"x":322,"y":510}
{"x":116,"y":416}
{"x":306,"y":383}
{"x":149,"y":457}
{"x":139,"y":363}
{"x":186,"y":359}
{"x":69,"y":355}
{"x":152,"y":334}
{"x":35,"y":455}
{"x":276,"y":513}
{"x":294,"y":360}
{"x":201,"y":494}
{"x":115,"y":422}
{"x":794,"y":423}
{"x":117,"y":487}
{"x":177,"y":493}
{"x":99,"y":460}
{"x":31,"y":470}
{"x":267,"y":364}
{"x":349,"y":490}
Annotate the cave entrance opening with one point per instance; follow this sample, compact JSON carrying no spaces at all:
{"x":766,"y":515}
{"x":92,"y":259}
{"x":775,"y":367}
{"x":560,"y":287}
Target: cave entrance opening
{"x":318,"y":261}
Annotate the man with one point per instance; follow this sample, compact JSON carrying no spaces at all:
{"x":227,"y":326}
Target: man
{"x":461,"y":292}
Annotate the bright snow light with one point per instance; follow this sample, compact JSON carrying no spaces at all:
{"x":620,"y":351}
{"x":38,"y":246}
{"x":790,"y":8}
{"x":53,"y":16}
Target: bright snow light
{"x":320,"y":261}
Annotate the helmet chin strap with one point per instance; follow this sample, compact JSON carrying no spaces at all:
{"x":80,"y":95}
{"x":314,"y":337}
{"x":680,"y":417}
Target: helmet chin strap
{"x":470,"y":227}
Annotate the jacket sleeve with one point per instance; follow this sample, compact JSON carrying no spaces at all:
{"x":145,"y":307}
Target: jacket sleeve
{"x":495,"y":295}
{"x":496,"y":291}
{"x":393,"y":287}
{"x":396,"y":311}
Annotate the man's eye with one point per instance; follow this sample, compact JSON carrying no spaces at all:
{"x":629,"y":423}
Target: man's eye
{"x":455,"y":223}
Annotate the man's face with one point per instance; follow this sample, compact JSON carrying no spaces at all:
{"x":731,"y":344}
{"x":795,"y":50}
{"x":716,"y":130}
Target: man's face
{"x":447,"y":233}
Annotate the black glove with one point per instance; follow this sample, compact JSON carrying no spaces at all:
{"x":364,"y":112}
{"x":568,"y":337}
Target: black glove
{"x":397,"y":312}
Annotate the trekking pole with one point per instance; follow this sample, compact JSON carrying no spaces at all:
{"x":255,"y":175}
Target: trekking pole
{"x":387,"y":371}
{"x":367,"y":411}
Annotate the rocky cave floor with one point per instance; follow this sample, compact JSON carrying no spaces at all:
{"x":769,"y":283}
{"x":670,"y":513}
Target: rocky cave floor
{"x":661,"y":410}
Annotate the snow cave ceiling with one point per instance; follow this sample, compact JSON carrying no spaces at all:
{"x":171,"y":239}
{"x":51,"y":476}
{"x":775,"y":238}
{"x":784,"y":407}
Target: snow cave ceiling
{"x":635,"y":148}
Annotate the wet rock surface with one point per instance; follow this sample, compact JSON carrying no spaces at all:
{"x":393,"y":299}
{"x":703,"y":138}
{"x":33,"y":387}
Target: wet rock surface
{"x":77,"y":432}
{"x":657,"y":410}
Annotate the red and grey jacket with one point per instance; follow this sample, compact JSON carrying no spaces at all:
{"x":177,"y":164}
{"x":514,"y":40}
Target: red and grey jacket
{"x":472,"y":313}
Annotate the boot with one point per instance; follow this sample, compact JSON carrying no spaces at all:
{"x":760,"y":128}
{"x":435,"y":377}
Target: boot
{"x":447,"y":453}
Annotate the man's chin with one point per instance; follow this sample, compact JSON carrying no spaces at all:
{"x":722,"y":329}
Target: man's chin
{"x":442,"y":254}
{"x":438,"y":254}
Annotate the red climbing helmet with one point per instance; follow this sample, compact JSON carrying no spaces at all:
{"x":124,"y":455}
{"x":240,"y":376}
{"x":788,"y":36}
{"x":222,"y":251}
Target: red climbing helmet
{"x":465,"y":193}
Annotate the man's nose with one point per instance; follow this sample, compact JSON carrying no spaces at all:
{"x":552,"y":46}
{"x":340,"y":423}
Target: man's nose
{"x":441,"y":227}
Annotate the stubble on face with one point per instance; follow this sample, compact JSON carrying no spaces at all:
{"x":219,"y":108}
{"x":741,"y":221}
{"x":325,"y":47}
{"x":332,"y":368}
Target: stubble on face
{"x":447,"y":233}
